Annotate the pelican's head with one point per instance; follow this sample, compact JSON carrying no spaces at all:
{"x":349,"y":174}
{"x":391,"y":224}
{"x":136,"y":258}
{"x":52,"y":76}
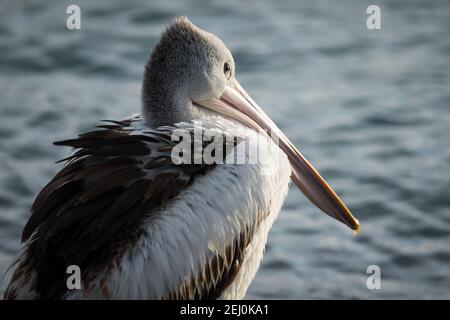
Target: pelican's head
{"x":191,"y":70}
{"x":187,"y":65}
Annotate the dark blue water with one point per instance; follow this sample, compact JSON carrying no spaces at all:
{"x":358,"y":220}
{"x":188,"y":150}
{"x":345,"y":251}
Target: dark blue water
{"x":370,"y":109}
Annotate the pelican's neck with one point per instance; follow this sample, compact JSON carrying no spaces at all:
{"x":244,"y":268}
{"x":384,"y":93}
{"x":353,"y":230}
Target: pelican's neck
{"x":164,"y":101}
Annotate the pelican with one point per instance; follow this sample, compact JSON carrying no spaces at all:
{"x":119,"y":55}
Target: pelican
{"x":139,"y":225}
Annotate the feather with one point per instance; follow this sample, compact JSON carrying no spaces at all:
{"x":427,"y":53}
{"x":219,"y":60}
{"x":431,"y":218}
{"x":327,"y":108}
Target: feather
{"x":92,"y":209}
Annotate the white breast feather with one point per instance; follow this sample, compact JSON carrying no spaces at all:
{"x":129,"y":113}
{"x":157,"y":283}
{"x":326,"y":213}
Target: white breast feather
{"x":203,"y":218}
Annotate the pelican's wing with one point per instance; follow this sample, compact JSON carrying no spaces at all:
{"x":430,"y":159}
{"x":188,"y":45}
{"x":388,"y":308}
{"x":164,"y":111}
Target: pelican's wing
{"x":93,"y":208}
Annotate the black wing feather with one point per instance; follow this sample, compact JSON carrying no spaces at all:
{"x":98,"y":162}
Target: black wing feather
{"x":92,"y":209}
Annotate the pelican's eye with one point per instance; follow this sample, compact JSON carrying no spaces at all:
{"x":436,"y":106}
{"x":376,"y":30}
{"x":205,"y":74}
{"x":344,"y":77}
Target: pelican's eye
{"x":227,"y":70}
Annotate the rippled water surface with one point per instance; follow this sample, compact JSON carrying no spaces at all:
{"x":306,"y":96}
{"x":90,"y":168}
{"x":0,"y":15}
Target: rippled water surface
{"x":370,"y":109}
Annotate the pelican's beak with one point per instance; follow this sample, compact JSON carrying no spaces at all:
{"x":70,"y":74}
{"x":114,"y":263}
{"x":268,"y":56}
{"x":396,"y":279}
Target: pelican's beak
{"x":237,"y":104}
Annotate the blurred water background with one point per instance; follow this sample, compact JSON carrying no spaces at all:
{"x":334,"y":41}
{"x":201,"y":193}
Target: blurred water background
{"x":370,"y":109}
